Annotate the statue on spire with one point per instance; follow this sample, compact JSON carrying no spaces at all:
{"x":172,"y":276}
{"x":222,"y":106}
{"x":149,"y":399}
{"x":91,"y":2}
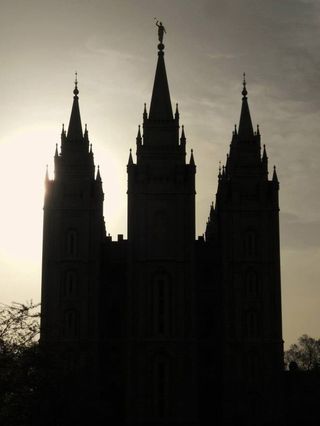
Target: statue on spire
{"x":161,"y":31}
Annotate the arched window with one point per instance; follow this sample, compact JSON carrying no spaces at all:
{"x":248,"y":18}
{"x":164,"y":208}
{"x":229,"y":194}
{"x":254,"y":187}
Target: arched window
{"x":72,"y":243}
{"x":160,"y":225}
{"x":161,"y":304}
{"x":70,"y":324}
{"x":250,"y":244}
{"x":252,"y":326}
{"x":252,"y":364}
{"x":252,"y":284}
{"x":69,"y":359}
{"x":69,"y":284}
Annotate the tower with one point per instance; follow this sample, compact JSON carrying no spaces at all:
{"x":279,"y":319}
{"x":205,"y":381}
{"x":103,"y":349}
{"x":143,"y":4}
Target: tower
{"x":243,"y":230}
{"x":73,"y":233}
{"x":161,"y":383}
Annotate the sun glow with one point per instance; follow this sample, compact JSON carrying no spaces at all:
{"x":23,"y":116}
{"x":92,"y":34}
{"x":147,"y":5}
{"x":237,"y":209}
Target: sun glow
{"x":22,"y":170}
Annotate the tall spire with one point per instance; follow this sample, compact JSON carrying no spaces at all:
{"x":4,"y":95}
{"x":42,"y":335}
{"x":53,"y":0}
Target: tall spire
{"x":245,"y":131}
{"x":75,"y":127}
{"x":160,"y":107}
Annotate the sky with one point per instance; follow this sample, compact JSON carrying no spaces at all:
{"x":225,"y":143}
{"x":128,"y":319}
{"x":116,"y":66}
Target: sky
{"x":112,"y":46}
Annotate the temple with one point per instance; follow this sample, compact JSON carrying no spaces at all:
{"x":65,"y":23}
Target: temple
{"x":163,"y":328}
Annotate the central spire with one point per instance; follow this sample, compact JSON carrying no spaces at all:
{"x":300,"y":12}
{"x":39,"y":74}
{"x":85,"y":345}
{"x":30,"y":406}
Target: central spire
{"x":75,"y":128}
{"x":245,"y":132}
{"x":160,"y":107}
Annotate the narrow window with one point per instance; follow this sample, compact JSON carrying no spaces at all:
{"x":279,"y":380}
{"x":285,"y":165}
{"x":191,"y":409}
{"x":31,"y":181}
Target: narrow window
{"x":252,"y":324}
{"x":72,"y":243}
{"x":69,"y":284}
{"x":250,"y":244}
{"x":69,"y":361}
{"x":252,"y":285}
{"x":161,"y":304}
{"x":70,"y":326}
{"x":253,"y":365}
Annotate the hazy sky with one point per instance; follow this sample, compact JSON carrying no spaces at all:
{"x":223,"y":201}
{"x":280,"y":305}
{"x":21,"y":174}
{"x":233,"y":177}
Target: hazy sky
{"x":112,"y":46}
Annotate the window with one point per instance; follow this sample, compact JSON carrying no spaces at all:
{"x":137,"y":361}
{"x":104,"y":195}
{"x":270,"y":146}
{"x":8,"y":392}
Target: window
{"x":252,"y":329}
{"x":160,"y":225}
{"x":70,"y":324}
{"x":161,"y":306}
{"x":72,"y":243}
{"x":69,"y":284}
{"x":252,"y":284}
{"x":252,"y":364}
{"x":69,"y":359}
{"x":250,"y":244}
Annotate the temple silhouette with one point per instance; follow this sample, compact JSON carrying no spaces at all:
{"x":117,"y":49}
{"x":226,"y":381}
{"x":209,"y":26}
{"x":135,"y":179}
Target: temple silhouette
{"x":162,"y":328}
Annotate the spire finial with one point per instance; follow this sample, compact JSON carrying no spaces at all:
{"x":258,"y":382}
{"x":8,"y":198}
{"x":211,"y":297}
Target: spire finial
{"x":130,"y":161}
{"x":98,"y":176}
{"x":274,"y":176}
{"x":161,"y":32}
{"x":145,"y":114}
{"x":177,"y":115}
{"x":139,"y":138}
{"x":76,"y":91}
{"x":244,"y":90}
{"x":191,"y":162}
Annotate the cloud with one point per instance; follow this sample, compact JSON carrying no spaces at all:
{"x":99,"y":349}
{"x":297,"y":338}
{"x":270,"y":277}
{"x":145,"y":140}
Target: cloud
{"x":299,"y":234}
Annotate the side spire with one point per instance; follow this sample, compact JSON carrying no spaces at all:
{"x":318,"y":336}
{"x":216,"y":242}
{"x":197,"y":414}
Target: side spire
{"x":183,"y":137}
{"x":98,"y":177}
{"x":160,"y":106}
{"x":274,"y":176}
{"x":139,"y":137}
{"x":130,"y":161}
{"x":245,"y":131}
{"x":191,"y":162}
{"x":75,"y":127}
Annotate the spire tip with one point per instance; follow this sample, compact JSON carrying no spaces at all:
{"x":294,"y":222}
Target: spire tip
{"x":76,"y":91}
{"x":244,"y":90}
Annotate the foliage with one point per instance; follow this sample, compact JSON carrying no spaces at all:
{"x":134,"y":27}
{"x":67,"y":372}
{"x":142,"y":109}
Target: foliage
{"x":305,"y":353}
{"x":19,"y":325}
{"x":19,"y":362}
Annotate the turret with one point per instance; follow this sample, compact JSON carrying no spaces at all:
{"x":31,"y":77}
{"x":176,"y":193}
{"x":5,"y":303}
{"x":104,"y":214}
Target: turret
{"x":75,"y":160}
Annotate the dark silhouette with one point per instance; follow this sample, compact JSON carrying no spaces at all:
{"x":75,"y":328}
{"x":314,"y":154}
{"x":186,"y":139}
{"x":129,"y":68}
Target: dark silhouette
{"x":161,"y":31}
{"x":162,"y":328}
{"x":305,"y":354}
{"x":19,"y":363}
